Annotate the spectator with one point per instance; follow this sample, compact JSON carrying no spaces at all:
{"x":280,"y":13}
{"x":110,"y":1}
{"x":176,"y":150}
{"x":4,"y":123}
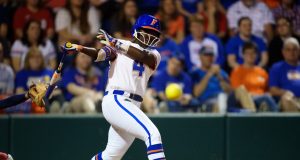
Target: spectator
{"x":77,"y":22}
{"x":285,"y":77}
{"x":33,"y":72}
{"x":6,"y":12}
{"x":33,"y":37}
{"x":235,"y":44}
{"x":170,"y":16}
{"x":6,"y":78}
{"x":284,"y":31}
{"x":271,"y":3}
{"x":166,"y":47}
{"x":82,"y":86}
{"x":124,"y":20}
{"x":6,"y":50}
{"x":214,"y":18}
{"x":199,"y":38}
{"x":290,"y":10}
{"x":258,"y":12}
{"x":253,"y":78}
{"x":173,"y":74}
{"x":210,"y":82}
{"x":33,"y":10}
{"x":188,"y":7}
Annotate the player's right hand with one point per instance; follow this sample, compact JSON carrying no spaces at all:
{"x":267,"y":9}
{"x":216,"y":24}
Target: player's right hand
{"x":71,"y":48}
{"x":106,"y":39}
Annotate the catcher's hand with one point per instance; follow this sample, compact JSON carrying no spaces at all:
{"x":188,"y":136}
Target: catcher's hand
{"x":71,"y":48}
{"x":106,"y":39}
{"x":37,"y":92}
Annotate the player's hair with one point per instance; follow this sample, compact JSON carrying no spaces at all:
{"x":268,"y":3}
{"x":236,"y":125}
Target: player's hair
{"x":84,"y":25}
{"x":249,"y":45}
{"x":40,"y":40}
{"x":242,"y":19}
{"x":31,"y":52}
{"x":162,"y":13}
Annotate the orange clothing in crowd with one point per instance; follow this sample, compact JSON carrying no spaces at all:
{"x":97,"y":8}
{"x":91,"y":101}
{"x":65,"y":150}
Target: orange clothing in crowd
{"x":174,"y":26}
{"x":271,"y":3}
{"x":255,"y":79}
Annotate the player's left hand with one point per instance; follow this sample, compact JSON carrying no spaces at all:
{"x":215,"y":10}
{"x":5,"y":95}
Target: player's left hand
{"x":37,"y":92}
{"x":71,"y":48}
{"x":106,"y":39}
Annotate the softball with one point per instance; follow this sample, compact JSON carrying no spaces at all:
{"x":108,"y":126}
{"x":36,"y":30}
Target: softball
{"x":173,"y":91}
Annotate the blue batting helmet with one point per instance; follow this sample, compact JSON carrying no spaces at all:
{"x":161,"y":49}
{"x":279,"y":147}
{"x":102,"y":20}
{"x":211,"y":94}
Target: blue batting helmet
{"x":150,"y":23}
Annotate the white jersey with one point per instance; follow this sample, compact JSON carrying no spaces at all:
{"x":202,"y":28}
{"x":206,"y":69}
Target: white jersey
{"x":129,"y":75}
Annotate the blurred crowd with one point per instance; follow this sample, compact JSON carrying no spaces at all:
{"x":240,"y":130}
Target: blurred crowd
{"x":227,"y":55}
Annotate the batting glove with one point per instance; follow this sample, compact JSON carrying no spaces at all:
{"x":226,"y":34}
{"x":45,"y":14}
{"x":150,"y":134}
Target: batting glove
{"x":71,"y":48}
{"x":106,"y":39}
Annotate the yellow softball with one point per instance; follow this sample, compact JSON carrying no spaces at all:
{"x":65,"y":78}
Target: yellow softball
{"x":173,"y":91}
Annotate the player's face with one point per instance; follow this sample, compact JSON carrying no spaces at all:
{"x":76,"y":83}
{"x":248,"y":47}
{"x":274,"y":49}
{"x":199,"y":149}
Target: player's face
{"x":250,"y":56}
{"x":290,"y":52}
{"x":33,"y":31}
{"x":83,"y":61}
{"x":148,"y":37}
{"x":197,"y":29}
{"x":245,"y":27}
{"x":283,"y":27}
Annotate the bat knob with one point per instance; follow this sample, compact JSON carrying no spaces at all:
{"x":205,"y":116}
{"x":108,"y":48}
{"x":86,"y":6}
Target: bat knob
{"x":68,"y":45}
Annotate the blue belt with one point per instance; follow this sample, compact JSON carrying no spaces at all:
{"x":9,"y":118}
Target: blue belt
{"x":131,"y":95}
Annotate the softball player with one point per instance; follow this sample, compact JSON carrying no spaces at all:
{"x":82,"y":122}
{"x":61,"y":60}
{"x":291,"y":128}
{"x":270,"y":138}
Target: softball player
{"x":131,"y":65}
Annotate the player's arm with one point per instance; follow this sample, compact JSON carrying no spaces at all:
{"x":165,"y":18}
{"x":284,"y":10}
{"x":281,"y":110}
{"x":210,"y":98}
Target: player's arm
{"x":142,"y":56}
{"x":138,"y":54}
{"x":105,"y":53}
{"x":13,"y":100}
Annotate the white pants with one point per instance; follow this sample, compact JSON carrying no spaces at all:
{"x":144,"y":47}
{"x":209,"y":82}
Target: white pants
{"x":127,"y":123}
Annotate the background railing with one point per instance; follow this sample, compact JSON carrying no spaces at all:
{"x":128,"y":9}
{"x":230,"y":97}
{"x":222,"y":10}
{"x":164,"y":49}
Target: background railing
{"x":185,"y":137}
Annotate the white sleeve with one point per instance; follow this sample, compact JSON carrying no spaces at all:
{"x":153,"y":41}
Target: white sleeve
{"x":62,"y":20}
{"x":157,"y":56}
{"x":94,"y":20}
{"x":232,"y":17}
{"x":17,"y":49}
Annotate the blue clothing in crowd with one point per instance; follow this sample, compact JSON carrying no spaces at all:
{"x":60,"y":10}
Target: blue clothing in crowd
{"x":24,"y":78}
{"x":236,"y":43}
{"x":168,"y":49}
{"x":190,"y":48}
{"x":213,"y":87}
{"x":162,"y":79}
{"x":72,"y":75}
{"x":285,"y":76}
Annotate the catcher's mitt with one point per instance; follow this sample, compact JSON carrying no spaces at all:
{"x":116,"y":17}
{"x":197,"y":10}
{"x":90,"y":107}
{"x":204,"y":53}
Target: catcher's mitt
{"x":37,"y":92}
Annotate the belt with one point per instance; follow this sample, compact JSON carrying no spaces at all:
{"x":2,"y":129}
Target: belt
{"x":135,"y":97}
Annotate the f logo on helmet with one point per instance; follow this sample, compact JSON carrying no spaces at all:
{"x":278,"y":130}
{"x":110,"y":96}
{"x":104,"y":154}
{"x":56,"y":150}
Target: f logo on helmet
{"x":153,"y":21}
